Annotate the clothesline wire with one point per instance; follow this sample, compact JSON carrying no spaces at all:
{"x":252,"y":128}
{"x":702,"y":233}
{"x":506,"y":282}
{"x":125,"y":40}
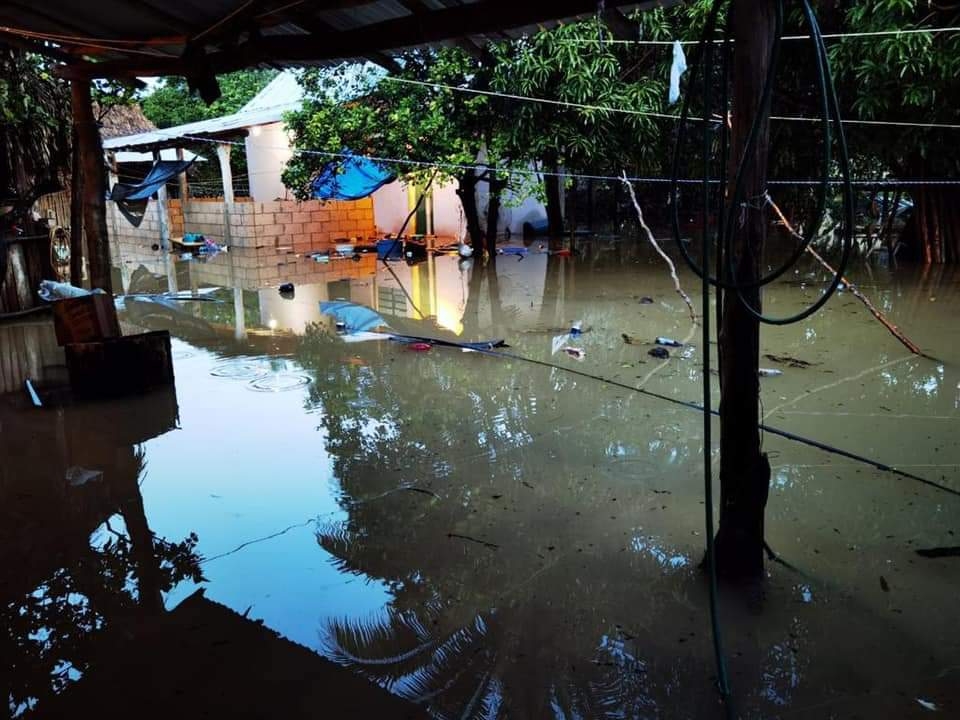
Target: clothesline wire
{"x":565,"y":103}
{"x":665,"y":116}
{"x":829,"y":36}
{"x":482,"y":167}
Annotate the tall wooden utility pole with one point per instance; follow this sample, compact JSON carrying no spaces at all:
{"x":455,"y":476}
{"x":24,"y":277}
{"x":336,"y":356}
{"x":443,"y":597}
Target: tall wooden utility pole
{"x":76,"y":212}
{"x":744,"y":471}
{"x":94,"y":185}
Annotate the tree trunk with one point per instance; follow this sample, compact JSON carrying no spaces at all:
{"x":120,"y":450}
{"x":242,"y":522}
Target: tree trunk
{"x":126,"y":484}
{"x":466,"y":191}
{"x":932,"y":233}
{"x":497,"y":185}
{"x":94,"y":186}
{"x":744,"y":471}
{"x":76,"y":214}
{"x":551,"y":186}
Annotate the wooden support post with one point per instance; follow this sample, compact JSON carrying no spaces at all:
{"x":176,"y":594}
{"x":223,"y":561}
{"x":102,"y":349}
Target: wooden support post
{"x":183,"y":187}
{"x":239,"y":319}
{"x":162,"y":214}
{"x":223,"y":155}
{"x":113,"y":177}
{"x":76,"y":213}
{"x":94,"y":185}
{"x":744,"y":471}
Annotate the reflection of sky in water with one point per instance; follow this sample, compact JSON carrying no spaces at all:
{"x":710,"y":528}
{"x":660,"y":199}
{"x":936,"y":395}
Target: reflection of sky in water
{"x":665,"y":557}
{"x":245,"y":466}
{"x":248,"y":465}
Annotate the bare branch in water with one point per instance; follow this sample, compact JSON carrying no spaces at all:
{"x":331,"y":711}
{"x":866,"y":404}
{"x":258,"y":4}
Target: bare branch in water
{"x":666,"y":258}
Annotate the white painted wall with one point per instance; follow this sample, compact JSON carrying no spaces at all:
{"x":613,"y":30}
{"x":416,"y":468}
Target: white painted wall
{"x":512,"y":215}
{"x":390,"y":207}
{"x":447,"y":211}
{"x":268,"y":150}
{"x":392,"y":204}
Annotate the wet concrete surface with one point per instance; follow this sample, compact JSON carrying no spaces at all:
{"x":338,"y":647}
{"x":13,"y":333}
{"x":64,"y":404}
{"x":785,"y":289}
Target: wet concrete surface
{"x":487,"y":536}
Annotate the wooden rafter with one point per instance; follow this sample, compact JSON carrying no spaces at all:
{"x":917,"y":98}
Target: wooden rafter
{"x":411,"y":30}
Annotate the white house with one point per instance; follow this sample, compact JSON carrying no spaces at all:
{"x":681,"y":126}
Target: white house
{"x":268,"y":149}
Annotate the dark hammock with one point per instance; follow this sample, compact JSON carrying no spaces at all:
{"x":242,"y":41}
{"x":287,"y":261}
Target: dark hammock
{"x":132,"y":199}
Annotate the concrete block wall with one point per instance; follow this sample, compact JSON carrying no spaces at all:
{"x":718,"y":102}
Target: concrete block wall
{"x":304,"y":226}
{"x":307,"y":226}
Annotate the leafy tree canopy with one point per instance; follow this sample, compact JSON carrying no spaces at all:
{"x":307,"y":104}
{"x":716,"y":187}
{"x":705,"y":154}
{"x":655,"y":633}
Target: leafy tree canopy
{"x":172,"y":103}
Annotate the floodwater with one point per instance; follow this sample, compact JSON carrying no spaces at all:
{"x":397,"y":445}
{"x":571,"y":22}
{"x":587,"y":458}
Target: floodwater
{"x":492,"y":537}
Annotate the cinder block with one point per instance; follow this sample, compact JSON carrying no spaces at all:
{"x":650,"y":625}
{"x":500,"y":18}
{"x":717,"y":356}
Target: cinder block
{"x":293,"y":228}
{"x":283,"y":217}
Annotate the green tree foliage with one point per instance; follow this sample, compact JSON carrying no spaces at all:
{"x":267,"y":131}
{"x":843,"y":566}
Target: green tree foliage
{"x":454,"y":122}
{"x":34,"y":128}
{"x":416,"y":125}
{"x":576,"y":64}
{"x":906,"y":78}
{"x":172,"y":103}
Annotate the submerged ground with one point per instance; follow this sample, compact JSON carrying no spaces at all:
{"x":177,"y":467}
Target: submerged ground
{"x":491,"y":537}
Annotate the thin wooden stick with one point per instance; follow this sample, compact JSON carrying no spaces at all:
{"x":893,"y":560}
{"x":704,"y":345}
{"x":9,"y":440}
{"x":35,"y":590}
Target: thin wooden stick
{"x":894,"y":330}
{"x":666,"y":258}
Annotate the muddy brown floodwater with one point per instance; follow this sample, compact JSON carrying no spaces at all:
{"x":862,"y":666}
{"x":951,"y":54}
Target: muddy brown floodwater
{"x":490,"y":537}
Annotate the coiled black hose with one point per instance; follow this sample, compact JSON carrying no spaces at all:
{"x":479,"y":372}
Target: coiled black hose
{"x":727,"y":214}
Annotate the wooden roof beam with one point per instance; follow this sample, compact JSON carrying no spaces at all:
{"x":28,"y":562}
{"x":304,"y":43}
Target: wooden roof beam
{"x":435,"y":26}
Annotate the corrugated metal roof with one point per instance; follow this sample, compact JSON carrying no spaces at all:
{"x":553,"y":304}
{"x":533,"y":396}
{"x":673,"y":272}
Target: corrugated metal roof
{"x":281,"y":95}
{"x":226,"y":125}
{"x":119,"y":38}
{"x":130,"y":156}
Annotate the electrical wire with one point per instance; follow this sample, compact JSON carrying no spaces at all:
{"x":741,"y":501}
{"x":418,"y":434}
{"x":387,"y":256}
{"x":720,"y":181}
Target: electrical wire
{"x":481,"y":167}
{"x":653,"y":114}
{"x":723,"y":681}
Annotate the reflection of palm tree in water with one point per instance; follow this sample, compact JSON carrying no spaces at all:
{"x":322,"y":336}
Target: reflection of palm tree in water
{"x":506,"y":604}
{"x":495,"y":665}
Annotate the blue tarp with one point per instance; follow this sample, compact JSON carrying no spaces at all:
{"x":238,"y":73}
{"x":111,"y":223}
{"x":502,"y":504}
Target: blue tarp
{"x":350,"y":178}
{"x":132,"y":199}
{"x":356,"y":318}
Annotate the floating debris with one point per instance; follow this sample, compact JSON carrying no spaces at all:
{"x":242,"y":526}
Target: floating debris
{"x":926,"y":704}
{"x":939,"y":552}
{"x":789,"y":361}
{"x":659,"y":352}
{"x":669,"y":342}
{"x":645,"y":300}
{"x":419,"y":346}
{"x":769,"y":372}
{"x":627,"y":338}
{"x":77,"y":476}
{"x":575,"y":353}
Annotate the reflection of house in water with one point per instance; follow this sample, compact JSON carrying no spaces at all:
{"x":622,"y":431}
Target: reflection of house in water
{"x":439,"y":288}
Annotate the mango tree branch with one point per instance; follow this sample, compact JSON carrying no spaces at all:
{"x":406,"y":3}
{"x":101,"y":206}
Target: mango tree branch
{"x":666,"y":258}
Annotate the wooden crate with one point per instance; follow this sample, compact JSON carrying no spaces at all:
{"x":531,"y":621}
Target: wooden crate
{"x":114,"y":367}
{"x":85,"y":319}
